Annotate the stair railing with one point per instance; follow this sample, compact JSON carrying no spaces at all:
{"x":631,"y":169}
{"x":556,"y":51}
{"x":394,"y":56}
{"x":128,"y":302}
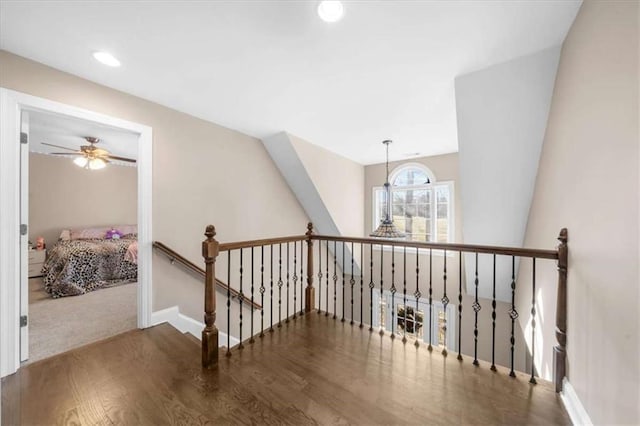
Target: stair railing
{"x":272,"y":265}
{"x":200,"y":273}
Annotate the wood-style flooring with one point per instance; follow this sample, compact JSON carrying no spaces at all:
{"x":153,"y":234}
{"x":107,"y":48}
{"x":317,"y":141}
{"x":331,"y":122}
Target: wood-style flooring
{"x":314,"y":370}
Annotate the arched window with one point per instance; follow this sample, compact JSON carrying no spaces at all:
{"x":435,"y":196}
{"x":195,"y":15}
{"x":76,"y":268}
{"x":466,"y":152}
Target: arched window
{"x":421,"y":207}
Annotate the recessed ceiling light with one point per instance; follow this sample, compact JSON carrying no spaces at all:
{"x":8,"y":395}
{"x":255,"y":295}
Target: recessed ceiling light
{"x":330,"y":10}
{"x":106,"y":58}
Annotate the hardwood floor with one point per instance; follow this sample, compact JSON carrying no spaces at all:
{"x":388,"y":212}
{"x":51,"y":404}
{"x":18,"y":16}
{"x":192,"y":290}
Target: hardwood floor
{"x":312,"y":370}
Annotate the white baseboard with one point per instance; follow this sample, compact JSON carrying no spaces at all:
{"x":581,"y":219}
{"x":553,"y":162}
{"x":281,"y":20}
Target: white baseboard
{"x":572,"y":404}
{"x":186,"y":324}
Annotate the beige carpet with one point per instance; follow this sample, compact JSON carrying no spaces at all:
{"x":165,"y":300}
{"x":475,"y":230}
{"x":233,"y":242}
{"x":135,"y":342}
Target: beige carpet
{"x":58,"y":325}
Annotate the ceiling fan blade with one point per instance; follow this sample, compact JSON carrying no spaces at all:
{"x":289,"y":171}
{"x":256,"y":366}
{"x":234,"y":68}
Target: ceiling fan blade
{"x":114,"y":157}
{"x":66,"y":153}
{"x":58,"y":146}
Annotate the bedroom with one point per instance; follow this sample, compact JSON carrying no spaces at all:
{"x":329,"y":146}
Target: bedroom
{"x":82,"y":233}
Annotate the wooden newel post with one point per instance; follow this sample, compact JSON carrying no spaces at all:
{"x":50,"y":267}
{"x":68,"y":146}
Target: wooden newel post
{"x":560,"y":351}
{"x":210,"y":332}
{"x":310,"y":292}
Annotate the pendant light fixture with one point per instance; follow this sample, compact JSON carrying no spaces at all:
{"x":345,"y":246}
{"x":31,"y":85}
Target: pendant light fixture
{"x":386,"y":228}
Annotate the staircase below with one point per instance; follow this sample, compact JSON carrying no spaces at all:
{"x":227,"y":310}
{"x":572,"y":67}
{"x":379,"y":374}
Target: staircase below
{"x":311,"y":370}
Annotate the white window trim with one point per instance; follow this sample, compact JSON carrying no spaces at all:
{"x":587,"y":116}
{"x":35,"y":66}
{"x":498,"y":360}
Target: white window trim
{"x":427,"y":171}
{"x":437,"y":306}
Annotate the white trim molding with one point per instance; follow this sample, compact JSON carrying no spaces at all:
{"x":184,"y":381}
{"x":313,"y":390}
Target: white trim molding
{"x":12,"y":104}
{"x":572,"y":404}
{"x":186,"y":324}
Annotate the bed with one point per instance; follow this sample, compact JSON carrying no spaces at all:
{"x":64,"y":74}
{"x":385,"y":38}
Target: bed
{"x":84,"y":260}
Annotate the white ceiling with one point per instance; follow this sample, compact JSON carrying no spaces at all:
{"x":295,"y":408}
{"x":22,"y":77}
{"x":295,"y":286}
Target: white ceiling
{"x":386,"y":70}
{"x":70,"y":132}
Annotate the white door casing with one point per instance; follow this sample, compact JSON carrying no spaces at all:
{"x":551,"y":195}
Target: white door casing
{"x":24,"y":234}
{"x":12,"y":105}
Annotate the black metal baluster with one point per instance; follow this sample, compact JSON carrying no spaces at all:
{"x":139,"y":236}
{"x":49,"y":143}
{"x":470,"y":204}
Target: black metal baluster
{"x":445,"y":303}
{"x":241,"y":299}
{"x":295,"y":277}
{"x":381,"y":290}
{"x":280,"y":285}
{"x":251,"y":340}
{"x":417,"y":295}
{"x":430,"y":347}
{"x":493,"y":319}
{"x":513,"y":313}
{"x":371,"y":286}
{"x":352,"y":281}
{"x":326,"y":312}
{"x":393,"y":292}
{"x":229,"y":303}
{"x":361,"y":283}
{"x":343,"y":282}
{"x":476,"y":309}
{"x":262,"y":290}
{"x":302,"y":264}
{"x":404,"y":293}
{"x":319,"y":277}
{"x":335,"y":279}
{"x":287,"y":278}
{"x":271,"y":288}
{"x":460,"y":306}
{"x":532,"y":380}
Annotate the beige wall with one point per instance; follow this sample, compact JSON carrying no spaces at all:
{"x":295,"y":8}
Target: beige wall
{"x":588,"y":182}
{"x":202,"y":173}
{"x":340,"y":183}
{"x":63,"y":195}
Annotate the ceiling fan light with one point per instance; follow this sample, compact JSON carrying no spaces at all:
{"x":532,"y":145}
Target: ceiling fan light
{"x":330,"y":10}
{"x":97,"y":164}
{"x":80,"y":161}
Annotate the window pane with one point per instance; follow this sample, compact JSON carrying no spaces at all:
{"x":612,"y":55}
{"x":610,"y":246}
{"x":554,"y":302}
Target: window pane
{"x":442,"y":328}
{"x":411,"y":176}
{"x":409,"y":322}
{"x":398,"y":196}
{"x":442,"y":213}
{"x":381,"y":207}
{"x":442,"y":193}
{"x":422,"y":196}
{"x":382,"y":312}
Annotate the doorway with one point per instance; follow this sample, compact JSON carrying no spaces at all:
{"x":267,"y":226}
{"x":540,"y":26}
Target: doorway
{"x":17,"y":110}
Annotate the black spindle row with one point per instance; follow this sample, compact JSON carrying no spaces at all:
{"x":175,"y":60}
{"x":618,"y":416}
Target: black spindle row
{"x":333,"y":278}
{"x":287,"y":278}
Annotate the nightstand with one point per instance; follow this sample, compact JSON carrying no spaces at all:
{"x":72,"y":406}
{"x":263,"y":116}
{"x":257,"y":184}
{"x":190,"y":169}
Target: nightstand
{"x":36,"y":260}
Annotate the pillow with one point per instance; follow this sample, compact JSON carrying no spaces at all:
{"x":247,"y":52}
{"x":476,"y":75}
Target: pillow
{"x":113,"y":234}
{"x":89,"y":233}
{"x":65,"y":235}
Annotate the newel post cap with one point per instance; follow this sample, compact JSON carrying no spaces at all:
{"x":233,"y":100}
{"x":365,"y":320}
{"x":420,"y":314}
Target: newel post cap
{"x":210,"y":245}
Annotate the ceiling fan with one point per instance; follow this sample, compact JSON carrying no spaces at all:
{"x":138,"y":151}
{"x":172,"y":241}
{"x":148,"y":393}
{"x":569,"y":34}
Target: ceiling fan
{"x":90,"y":156}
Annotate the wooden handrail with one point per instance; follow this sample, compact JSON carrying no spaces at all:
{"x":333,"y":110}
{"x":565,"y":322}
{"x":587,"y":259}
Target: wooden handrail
{"x":452,"y":247}
{"x":258,"y":243}
{"x":173,"y":255}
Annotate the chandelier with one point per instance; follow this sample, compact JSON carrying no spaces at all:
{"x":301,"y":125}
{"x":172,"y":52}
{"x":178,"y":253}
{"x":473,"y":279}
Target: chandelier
{"x":386,"y":229}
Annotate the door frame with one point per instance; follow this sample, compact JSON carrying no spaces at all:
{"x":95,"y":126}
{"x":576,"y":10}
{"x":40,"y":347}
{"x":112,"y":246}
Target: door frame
{"x":12,"y":104}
